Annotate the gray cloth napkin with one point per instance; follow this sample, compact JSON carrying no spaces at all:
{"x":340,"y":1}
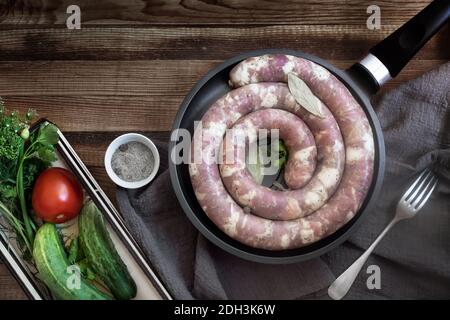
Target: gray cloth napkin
{"x":414,"y":258}
{"x":192,"y":267}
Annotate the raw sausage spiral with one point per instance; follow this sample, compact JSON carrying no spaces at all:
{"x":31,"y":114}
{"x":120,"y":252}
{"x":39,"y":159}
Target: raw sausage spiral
{"x":330,"y":166}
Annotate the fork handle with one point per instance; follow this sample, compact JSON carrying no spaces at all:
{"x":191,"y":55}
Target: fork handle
{"x":343,"y":283}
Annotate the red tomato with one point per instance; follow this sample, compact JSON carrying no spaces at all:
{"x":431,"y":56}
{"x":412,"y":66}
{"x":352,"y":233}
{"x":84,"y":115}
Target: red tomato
{"x":57,"y":195}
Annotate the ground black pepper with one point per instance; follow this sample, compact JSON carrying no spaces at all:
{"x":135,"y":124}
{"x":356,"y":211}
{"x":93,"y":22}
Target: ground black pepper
{"x":133,"y":161}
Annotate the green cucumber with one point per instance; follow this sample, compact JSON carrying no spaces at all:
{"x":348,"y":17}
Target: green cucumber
{"x":53,"y":266}
{"x":102,"y":255}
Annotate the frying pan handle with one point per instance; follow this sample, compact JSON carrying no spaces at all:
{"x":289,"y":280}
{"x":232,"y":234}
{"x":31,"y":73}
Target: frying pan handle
{"x":391,"y":55}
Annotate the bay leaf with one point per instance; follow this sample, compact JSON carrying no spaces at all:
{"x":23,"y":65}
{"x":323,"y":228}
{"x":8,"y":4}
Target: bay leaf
{"x":304,"y":96}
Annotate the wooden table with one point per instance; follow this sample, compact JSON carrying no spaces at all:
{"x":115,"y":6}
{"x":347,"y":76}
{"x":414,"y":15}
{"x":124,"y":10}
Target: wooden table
{"x":132,"y":62}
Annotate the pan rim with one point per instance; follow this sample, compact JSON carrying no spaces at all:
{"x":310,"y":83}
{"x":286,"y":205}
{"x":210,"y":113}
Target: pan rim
{"x":346,"y":230}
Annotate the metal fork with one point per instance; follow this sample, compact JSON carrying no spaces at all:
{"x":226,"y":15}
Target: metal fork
{"x":412,"y":201}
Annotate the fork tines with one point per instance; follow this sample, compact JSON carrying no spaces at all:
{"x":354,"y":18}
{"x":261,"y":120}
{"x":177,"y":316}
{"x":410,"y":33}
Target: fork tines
{"x":422,"y":188}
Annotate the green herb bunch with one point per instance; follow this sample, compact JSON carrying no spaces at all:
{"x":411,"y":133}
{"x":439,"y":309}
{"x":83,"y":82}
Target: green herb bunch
{"x":23,"y":156}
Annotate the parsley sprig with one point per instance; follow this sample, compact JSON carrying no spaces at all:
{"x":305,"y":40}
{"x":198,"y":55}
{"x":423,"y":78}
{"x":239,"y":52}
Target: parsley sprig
{"x":23,"y":156}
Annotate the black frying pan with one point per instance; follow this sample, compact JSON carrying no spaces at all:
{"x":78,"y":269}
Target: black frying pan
{"x":363,"y":79}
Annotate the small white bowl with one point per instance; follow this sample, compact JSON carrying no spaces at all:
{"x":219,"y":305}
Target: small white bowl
{"x":130,"y":137}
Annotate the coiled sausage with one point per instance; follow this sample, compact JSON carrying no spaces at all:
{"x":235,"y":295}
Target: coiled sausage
{"x":345,"y":155}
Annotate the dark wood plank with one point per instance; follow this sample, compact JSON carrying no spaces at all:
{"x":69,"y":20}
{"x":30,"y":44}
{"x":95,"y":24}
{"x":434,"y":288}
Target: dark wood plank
{"x":102,"y":113}
{"x":129,"y":78}
{"x":332,"y":42}
{"x":210,"y":12}
{"x":9,"y":288}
